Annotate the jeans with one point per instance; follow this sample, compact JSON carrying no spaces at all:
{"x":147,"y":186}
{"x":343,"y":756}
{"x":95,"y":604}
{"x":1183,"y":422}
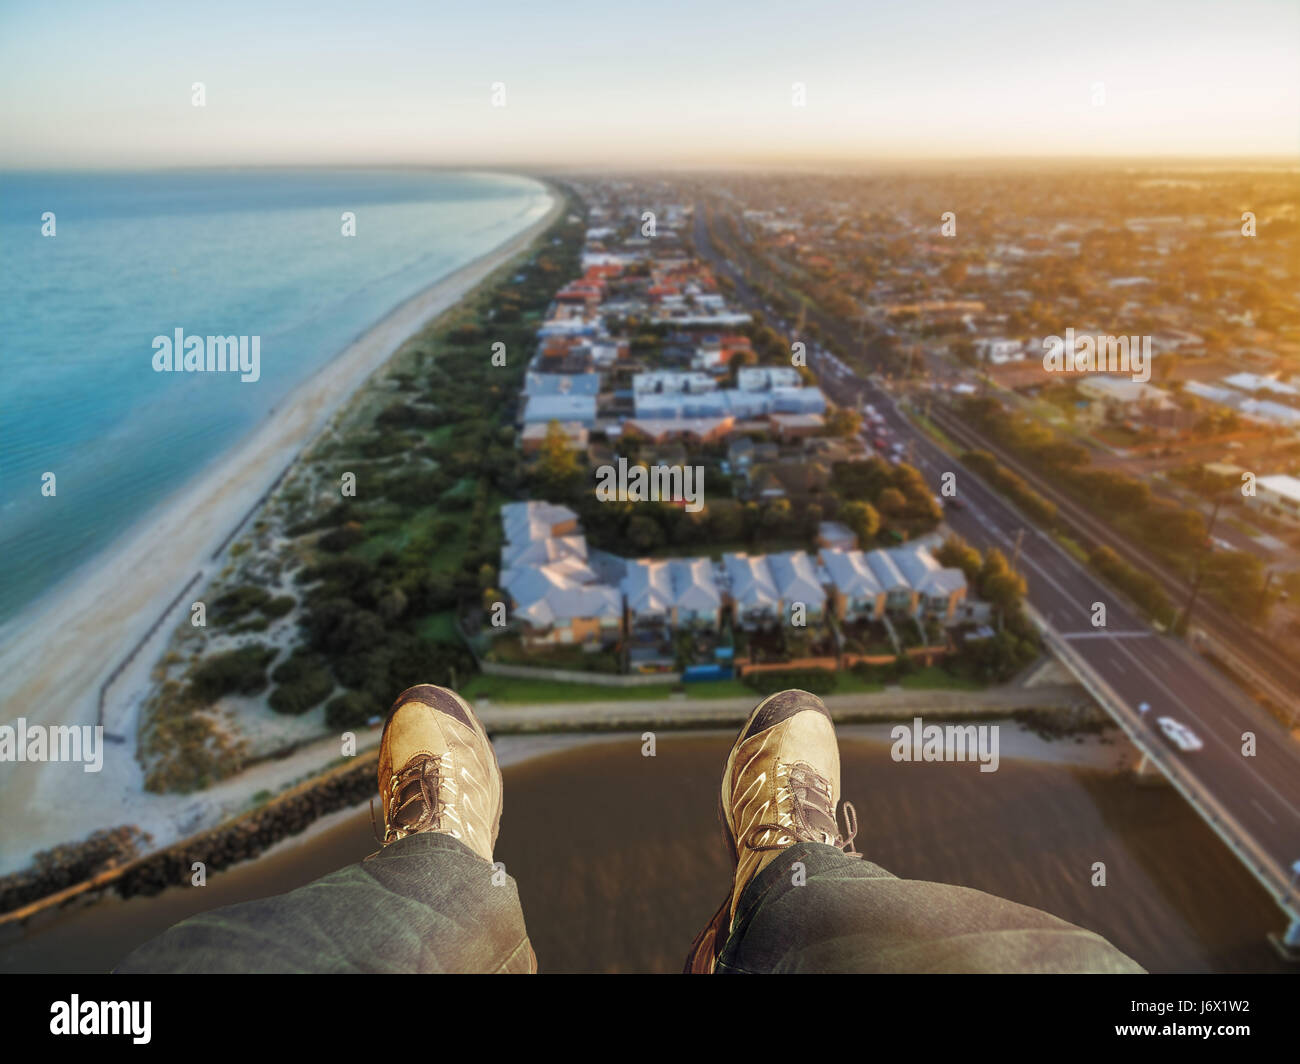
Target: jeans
{"x":427,"y":903}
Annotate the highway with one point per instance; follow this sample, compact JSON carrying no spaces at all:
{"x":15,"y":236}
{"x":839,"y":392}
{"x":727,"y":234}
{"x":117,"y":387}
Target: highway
{"x":1261,"y":794}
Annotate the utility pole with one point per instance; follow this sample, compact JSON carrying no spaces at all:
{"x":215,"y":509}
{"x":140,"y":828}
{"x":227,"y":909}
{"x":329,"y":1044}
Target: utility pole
{"x":1185,"y":622}
{"x":1015,"y":554}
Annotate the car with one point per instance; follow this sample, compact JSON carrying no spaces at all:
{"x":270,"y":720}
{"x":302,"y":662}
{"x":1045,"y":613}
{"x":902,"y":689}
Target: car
{"x":880,"y":443}
{"x":1179,"y":734}
{"x":954,"y":503}
{"x":1144,"y":707}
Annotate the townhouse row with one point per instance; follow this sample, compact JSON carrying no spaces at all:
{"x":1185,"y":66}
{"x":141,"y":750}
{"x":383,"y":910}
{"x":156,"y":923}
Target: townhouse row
{"x":559,"y":592}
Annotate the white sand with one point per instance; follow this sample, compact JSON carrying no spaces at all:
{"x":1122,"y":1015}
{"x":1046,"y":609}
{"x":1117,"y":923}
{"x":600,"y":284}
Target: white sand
{"x":57,"y":653}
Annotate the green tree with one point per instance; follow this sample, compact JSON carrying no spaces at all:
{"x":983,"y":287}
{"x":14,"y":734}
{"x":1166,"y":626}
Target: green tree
{"x":862,"y":519}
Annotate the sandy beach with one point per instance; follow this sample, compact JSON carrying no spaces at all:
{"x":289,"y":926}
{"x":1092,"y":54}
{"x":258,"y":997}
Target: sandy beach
{"x":55,"y":656}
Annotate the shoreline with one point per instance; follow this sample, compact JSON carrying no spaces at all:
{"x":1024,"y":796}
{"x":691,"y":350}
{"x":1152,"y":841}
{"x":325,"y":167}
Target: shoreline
{"x":1090,"y":754}
{"x":57,"y":653}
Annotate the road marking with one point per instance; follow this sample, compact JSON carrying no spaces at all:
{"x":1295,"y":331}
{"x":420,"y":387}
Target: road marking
{"x":1104,"y":633}
{"x":1262,"y":810}
{"x":1116,"y":662}
{"x":1028,"y":560}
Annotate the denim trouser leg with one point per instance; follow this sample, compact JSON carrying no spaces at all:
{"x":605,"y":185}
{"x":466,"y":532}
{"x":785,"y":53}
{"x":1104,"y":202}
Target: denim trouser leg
{"x":425,"y":903}
{"x":853,"y":916}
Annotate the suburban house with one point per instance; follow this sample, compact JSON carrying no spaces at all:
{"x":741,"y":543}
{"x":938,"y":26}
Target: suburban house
{"x":1000,"y":351}
{"x":671,"y":593}
{"x":1119,"y":398}
{"x":751,"y":590}
{"x":795,"y":576}
{"x":855,"y":593}
{"x":900,"y":597}
{"x":555,"y":594}
{"x":1278,"y":496}
{"x":903,"y":580}
{"x":939,"y":591}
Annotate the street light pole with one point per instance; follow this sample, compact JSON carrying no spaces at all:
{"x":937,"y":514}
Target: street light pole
{"x":1185,"y":621}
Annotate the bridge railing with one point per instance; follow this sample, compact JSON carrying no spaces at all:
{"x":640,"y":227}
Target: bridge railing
{"x":1211,"y":810}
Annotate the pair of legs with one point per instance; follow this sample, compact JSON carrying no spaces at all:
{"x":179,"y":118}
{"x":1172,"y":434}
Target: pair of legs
{"x":801,"y":899}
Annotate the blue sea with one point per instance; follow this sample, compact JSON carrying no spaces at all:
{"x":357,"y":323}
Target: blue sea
{"x":138,"y":255}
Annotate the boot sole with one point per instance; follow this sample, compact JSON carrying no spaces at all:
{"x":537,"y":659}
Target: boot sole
{"x":703,"y":956}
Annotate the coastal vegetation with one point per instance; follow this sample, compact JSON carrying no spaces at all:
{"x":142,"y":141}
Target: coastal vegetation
{"x":377,"y":537}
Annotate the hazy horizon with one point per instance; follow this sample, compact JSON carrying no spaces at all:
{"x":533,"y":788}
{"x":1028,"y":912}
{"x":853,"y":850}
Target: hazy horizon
{"x":762,"y":84}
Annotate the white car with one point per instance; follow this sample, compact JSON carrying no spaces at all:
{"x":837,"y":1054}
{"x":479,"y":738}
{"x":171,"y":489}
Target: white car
{"x":1144,"y":707}
{"x":1179,"y":734}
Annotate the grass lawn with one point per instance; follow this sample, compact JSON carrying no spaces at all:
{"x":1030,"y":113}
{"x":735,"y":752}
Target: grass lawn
{"x":719,"y":689}
{"x":439,"y":628}
{"x":510,"y":689}
{"x":850,"y":683}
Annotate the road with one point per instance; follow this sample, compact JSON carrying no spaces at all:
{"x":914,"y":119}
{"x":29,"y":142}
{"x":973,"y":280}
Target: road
{"x":1260,"y":793}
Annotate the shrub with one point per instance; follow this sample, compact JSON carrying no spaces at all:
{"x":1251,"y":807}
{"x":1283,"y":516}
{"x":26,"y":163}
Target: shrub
{"x":351,"y":709}
{"x":815,"y":681}
{"x":236,"y":603}
{"x":241,"y":671}
{"x":279,"y":606}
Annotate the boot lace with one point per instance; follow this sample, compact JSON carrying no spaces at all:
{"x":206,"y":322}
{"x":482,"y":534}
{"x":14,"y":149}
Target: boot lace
{"x":414,"y":802}
{"x":810,"y":817}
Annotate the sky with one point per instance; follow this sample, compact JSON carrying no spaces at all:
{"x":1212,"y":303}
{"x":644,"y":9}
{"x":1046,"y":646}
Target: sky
{"x":630,"y":84}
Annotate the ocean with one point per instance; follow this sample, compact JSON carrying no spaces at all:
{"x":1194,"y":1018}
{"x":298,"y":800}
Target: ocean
{"x":134,"y":256}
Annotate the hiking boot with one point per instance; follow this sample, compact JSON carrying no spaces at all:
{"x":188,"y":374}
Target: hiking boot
{"x":780,"y":786}
{"x":438,"y":771}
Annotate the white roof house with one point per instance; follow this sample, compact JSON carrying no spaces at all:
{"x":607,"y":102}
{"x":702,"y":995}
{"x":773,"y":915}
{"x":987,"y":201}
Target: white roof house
{"x":750,"y":582}
{"x":673,"y":381}
{"x":886,"y":572}
{"x":796,"y":579}
{"x":850,"y":574}
{"x":1254,"y":382}
{"x":562,"y":408}
{"x":657,"y":586}
{"x":1121,"y":390}
{"x":526,"y":521}
{"x":862,"y":576}
{"x":543,"y":596}
{"x":763,"y":378}
{"x":547,"y":575}
{"x":648,"y":587}
{"x":561,"y":384}
{"x":1267,"y":410}
{"x":926,"y":575}
{"x":1282,"y":484}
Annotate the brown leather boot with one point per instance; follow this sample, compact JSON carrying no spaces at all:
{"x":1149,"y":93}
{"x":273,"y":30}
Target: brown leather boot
{"x":438,"y":771}
{"x":780,"y":786}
